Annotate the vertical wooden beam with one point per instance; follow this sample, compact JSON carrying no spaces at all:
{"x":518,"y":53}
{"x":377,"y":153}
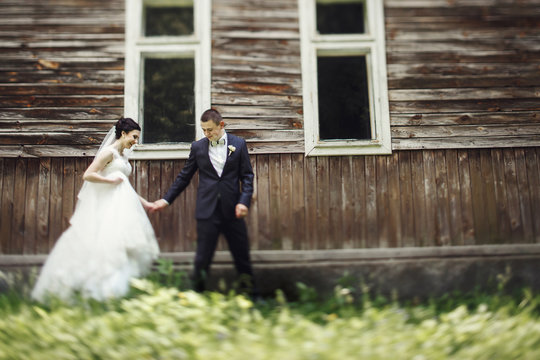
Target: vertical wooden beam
{"x":30,"y":216}
{"x":347,"y":203}
{"x":394,"y":197}
{"x":407,"y":204}
{"x":383,"y":212}
{"x":310,"y":196}
{"x":43,"y":204}
{"x":276,"y":235}
{"x":524,"y":196}
{"x":360,"y":202}
{"x":56,"y":203}
{"x":323,"y":203}
{"x":431,"y":198}
{"x":467,"y":214}
{"x":454,"y":198}
{"x":285,"y":213}
{"x":253,"y":215}
{"x":263,"y":202}
{"x":335,"y":213}
{"x":501,"y":200}
{"x":19,"y":199}
{"x":7,"y":195}
{"x":298,"y":206}
{"x":443,"y":212}
{"x":372,"y":225}
{"x":533,"y":176}
{"x":512,"y":195}
{"x":419,"y":199}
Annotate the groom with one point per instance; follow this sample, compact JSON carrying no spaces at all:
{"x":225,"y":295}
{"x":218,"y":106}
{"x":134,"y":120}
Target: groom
{"x":223,"y":197}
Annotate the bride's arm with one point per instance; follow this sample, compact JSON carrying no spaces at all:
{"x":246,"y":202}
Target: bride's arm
{"x":92,"y":173}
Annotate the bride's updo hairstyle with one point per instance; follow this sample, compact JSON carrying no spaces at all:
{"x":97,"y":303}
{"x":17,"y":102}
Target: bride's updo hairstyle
{"x":127,"y":125}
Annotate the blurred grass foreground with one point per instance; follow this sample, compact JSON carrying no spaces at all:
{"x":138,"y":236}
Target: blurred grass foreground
{"x":162,"y":322}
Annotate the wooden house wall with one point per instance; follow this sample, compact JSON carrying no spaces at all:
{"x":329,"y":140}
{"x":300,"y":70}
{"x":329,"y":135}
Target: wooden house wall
{"x":61,"y":75}
{"x":462,"y":81}
{"x":413,"y":198}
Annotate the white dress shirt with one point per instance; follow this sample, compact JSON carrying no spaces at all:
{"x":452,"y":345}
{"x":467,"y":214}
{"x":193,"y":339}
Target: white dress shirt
{"x":218,"y":154}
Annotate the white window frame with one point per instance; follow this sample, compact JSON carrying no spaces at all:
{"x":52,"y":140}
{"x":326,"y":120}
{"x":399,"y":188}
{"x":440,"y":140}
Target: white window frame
{"x":372,"y":45}
{"x":139,"y":47}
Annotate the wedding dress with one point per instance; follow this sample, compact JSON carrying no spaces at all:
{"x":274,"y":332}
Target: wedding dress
{"x":110,"y":240}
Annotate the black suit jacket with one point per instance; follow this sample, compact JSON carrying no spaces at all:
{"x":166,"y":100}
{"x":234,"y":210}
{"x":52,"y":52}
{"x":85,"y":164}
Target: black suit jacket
{"x":234,"y":186}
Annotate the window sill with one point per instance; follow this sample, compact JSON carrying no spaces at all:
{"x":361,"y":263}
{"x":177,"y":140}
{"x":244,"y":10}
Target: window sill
{"x":336,"y":148}
{"x":160,"y":152}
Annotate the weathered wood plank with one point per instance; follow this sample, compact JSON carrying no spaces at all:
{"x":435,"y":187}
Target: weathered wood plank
{"x":347,"y":203}
{"x":166,"y":221}
{"x":510,"y":178}
{"x":30,"y":207}
{"x":19,"y":191}
{"x":253,"y":215}
{"x":67,"y":101}
{"x":43,"y":203}
{"x":394,"y":217}
{"x":466,"y":142}
{"x":360,"y":204}
{"x":55,"y":126}
{"x":68,"y":190}
{"x":263,"y":202}
{"x":442,"y":213}
{"x":274,"y":188}
{"x":454,"y":198}
{"x":419,"y":196}
{"x":431,"y":231}
{"x":481,"y":222}
{"x":61,"y":89}
{"x":51,"y":138}
{"x":55,"y":209}
{"x":408,"y":235}
{"x":467,"y":214}
{"x":335,"y":215}
{"x":503,"y":221}
{"x":524,"y":196}
{"x":310,"y":200}
{"x":383,"y":206}
{"x":533,"y":177}
{"x":372,"y":224}
{"x":444,"y":119}
{"x":8,"y":186}
{"x":323,"y":201}
{"x":286,"y":201}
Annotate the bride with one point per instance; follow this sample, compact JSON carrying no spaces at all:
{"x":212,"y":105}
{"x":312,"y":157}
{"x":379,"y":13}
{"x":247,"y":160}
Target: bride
{"x":110,"y":239}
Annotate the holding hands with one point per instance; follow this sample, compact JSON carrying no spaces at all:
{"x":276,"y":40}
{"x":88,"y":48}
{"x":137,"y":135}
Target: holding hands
{"x":157,"y":205}
{"x":241,"y":210}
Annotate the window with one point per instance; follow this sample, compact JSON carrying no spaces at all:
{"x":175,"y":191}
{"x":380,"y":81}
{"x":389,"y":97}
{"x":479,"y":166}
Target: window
{"x":344,"y":77}
{"x":167,"y":75}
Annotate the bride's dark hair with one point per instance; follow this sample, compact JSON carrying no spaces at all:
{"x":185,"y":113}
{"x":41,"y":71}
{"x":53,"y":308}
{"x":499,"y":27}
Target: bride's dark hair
{"x":127,"y":125}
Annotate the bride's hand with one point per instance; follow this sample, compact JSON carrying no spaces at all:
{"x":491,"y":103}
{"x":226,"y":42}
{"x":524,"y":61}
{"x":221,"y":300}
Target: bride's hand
{"x":117,"y":181}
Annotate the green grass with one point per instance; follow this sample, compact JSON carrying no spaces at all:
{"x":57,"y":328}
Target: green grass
{"x":159,"y":321}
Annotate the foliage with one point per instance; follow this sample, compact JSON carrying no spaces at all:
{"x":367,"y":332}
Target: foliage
{"x":159,"y":322}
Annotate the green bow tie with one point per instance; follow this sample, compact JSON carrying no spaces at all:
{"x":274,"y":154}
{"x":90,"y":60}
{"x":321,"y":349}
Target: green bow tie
{"x":217,"y":142}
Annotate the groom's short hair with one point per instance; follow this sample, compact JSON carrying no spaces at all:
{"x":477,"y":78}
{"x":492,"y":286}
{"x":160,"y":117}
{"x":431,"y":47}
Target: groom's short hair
{"x":211,"y":115}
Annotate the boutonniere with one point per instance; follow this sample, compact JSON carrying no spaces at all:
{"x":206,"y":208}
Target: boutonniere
{"x":231,"y":149}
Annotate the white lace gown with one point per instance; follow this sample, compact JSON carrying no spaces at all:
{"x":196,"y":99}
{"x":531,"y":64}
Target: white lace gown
{"x":110,"y":241}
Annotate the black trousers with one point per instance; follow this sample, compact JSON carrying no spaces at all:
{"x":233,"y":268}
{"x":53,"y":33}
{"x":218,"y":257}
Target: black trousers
{"x":235,"y":232}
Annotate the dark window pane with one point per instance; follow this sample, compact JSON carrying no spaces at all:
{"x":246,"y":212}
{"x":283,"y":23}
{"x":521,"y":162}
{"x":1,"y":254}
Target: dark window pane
{"x":169,"y":21}
{"x":343,"y":98}
{"x":169,"y":96}
{"x":340,"y":18}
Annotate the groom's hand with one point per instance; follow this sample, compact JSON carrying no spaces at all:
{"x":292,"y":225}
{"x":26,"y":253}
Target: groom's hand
{"x":159,"y":205}
{"x":241,"y":211}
